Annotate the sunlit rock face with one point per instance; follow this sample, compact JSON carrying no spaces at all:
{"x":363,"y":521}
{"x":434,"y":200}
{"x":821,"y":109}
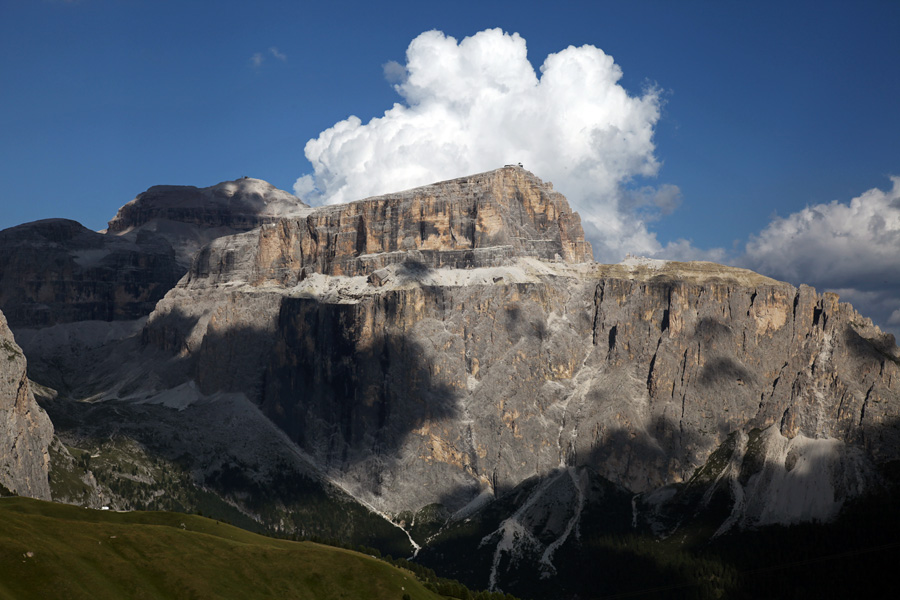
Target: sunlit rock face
{"x":479,"y":221}
{"x":452,"y":341}
{"x":25,"y":429}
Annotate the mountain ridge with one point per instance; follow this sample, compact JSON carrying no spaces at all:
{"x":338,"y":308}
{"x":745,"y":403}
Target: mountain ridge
{"x":432,"y":352}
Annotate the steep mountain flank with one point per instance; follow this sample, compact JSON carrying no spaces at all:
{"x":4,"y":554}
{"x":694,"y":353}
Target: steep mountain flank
{"x":57,"y":271}
{"x":424,"y":365}
{"x":25,"y":429}
{"x":483,"y":220}
{"x":450,"y":357}
{"x":190,"y":217}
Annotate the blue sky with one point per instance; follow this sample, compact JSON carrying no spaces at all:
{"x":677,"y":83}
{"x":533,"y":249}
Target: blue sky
{"x":763,"y":109}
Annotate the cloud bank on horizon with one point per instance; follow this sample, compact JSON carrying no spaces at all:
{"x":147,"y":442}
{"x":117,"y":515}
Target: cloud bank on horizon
{"x":475,"y":105}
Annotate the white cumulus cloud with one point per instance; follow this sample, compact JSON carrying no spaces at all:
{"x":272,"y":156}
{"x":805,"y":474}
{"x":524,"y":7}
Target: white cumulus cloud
{"x":855,"y":245}
{"x":478,"y":104}
{"x":851,"y":248}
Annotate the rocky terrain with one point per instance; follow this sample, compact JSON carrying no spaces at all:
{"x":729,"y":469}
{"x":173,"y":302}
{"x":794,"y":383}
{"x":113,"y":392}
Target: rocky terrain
{"x":471,"y":375}
{"x":25,"y":429}
{"x":189,"y":217}
{"x":449,"y":358}
{"x":57,"y":271}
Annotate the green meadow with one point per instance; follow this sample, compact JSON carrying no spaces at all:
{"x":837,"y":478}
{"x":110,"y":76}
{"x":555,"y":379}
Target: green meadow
{"x":52,"y":550}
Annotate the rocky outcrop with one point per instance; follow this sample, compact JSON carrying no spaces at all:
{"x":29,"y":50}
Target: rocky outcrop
{"x":57,"y":271}
{"x":25,"y":429}
{"x":420,"y":377}
{"x":190,"y":217}
{"x":431,"y":350}
{"x":483,"y":220}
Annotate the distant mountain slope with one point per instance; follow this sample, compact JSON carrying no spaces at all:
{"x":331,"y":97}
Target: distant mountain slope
{"x":59,"y":551}
{"x":190,"y":217}
{"x":439,"y":362}
{"x":57,"y":271}
{"x":434,"y":349}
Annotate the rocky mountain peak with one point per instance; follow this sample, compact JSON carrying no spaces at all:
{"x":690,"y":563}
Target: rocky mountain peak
{"x":57,"y":271}
{"x":507,"y":207}
{"x":237,"y":204}
{"x":488,"y":219}
{"x":49,"y":231}
{"x":189,"y":217}
{"x":449,"y":355}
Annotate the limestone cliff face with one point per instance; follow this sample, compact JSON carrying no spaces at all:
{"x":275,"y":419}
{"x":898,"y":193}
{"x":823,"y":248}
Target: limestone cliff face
{"x":451,"y":343}
{"x":720,"y":356}
{"x":482,"y":220}
{"x":423,"y":363}
{"x":25,"y":429}
{"x":433,"y":394}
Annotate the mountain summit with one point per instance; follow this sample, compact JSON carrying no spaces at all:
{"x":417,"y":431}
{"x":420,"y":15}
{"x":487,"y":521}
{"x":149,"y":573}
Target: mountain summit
{"x":190,"y":217}
{"x":450,"y":358}
{"x":484,"y":220}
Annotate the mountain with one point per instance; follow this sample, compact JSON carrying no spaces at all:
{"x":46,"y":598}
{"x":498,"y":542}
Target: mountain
{"x":190,"y":217}
{"x":25,"y":429}
{"x":445,"y":370}
{"x":486,"y":351}
{"x":57,"y":271}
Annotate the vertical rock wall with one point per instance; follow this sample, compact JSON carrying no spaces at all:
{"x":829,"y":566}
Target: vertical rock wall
{"x":25,"y":429}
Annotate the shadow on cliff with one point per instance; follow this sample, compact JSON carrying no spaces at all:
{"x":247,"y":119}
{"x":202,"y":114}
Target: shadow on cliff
{"x":605,"y":558}
{"x":577,"y":517}
{"x":718,"y":341}
{"x":341,"y":390}
{"x":57,"y":271}
{"x":643,"y":458}
{"x":344,"y":391}
{"x":872,"y":349}
{"x":615,"y":552}
{"x":413,"y":270}
{"x":325,"y":373}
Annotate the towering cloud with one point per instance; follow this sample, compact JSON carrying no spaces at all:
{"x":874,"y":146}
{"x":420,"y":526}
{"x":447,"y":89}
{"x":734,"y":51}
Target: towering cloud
{"x":477,"y":104}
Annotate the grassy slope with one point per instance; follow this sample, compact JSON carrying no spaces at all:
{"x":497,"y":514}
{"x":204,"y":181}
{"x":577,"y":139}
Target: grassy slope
{"x":82,"y":553}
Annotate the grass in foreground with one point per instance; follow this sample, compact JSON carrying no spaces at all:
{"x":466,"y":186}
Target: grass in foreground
{"x":52,"y":550}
